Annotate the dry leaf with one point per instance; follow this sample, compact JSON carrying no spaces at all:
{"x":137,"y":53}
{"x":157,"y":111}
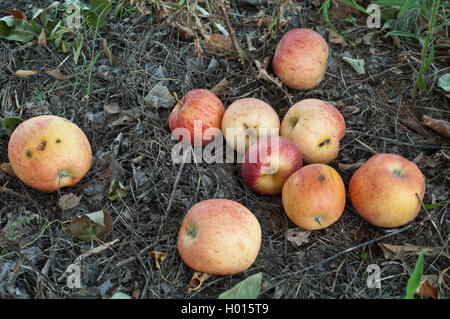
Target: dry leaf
{"x":17,"y":14}
{"x":423,"y":161}
{"x":415,"y":126}
{"x":25,"y":73}
{"x":42,"y":41}
{"x":297,"y":236}
{"x":262,"y":74}
{"x":401,"y":252}
{"x":197,"y":280}
{"x":429,"y":287}
{"x":183,"y":32}
{"x":335,"y":38}
{"x":351,"y":166}
{"x":222,"y":88}
{"x":94,"y":225}
{"x":68,"y":201}
{"x":440,"y":126}
{"x":108,"y":52}
{"x":6,"y":167}
{"x":218,"y":42}
{"x":112,"y":108}
{"x":159,"y":258}
{"x":56,"y":73}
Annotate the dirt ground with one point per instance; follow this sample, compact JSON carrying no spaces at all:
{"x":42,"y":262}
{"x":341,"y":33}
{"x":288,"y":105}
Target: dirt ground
{"x":108,"y":101}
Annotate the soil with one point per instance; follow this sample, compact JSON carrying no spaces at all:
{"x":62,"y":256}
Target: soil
{"x":107,"y":101}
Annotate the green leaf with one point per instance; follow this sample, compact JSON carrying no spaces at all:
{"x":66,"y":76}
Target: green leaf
{"x":444,"y":82}
{"x":116,"y":190}
{"x":10,"y":124}
{"x":431,"y":206}
{"x":414,"y":280}
{"x":97,"y":15}
{"x":249,"y":288}
{"x":408,"y":4}
{"x":120,"y":295}
{"x":420,"y":83}
{"x":429,"y":59}
{"x":16,"y":29}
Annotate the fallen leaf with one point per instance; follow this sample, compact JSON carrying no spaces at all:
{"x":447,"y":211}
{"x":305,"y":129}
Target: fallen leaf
{"x":108,"y":53}
{"x":336,"y":38}
{"x":401,"y":252}
{"x":56,"y":73}
{"x":356,"y":64}
{"x":116,"y":190}
{"x":218,"y":42}
{"x":42,"y":41}
{"x":415,"y":126}
{"x":10,"y":124}
{"x":249,"y":288}
{"x":94,"y":225}
{"x":297,"y":236}
{"x":159,"y":258}
{"x":423,"y":161}
{"x":17,"y":14}
{"x":112,"y":108}
{"x":352,"y":166}
{"x":25,"y":73}
{"x":440,"y":126}
{"x":262,"y":74}
{"x":183,"y":32}
{"x":429,"y":287}
{"x":198,"y":278}
{"x":6,"y":167}
{"x":222,"y":88}
{"x":68,"y":201}
{"x":160,"y":97}
{"x":120,"y":295}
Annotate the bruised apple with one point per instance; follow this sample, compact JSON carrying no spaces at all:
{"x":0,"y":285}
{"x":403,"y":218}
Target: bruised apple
{"x":269,"y":162}
{"x":386,"y":190}
{"x":300,"y":59}
{"x":315,"y":127}
{"x":197,"y":117}
{"x":220,"y":237}
{"x":246,"y":120}
{"x":49,"y":152}
{"x":314,"y":196}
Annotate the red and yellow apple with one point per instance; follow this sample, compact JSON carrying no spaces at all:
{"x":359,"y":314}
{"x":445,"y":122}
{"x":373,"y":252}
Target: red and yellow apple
{"x":314,"y":196}
{"x":268,"y":163}
{"x":197,"y":117}
{"x":384,"y":190}
{"x":246,"y":120}
{"x":48,"y":152}
{"x":219,"y":237}
{"x":300,"y":59}
{"x":315,"y":127}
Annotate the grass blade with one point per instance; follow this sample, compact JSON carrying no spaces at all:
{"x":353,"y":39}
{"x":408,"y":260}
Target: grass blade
{"x":414,"y":280}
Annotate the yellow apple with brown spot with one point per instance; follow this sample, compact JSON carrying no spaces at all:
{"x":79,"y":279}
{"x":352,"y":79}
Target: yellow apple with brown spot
{"x":269,"y":162}
{"x":314,"y":196}
{"x":386,"y":189}
{"x":300,"y":58}
{"x":315,"y":127}
{"x":246,"y":120}
{"x":219,"y":237}
{"x":49,"y":152}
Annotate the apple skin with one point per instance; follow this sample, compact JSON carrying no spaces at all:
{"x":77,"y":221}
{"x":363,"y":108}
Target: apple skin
{"x":43,"y":146}
{"x":315,"y":127}
{"x":383,"y":190}
{"x":268,"y":163}
{"x":314,"y":196}
{"x":300,"y":59}
{"x":246,"y":120}
{"x":197,"y":104}
{"x":219,"y":237}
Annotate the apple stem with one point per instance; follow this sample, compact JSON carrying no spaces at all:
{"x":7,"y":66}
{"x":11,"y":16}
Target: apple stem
{"x":177,"y":99}
{"x":192,"y":232}
{"x":397,"y":173}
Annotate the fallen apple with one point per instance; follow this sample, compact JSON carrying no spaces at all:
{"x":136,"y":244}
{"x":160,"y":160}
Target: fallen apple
{"x":220,"y":237}
{"x":314,"y":196}
{"x":386,"y":189}
{"x":246,"y":120}
{"x":300,"y":58}
{"x":269,"y":162}
{"x":197,"y":116}
{"x":315,"y":127}
{"x":48,"y":152}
